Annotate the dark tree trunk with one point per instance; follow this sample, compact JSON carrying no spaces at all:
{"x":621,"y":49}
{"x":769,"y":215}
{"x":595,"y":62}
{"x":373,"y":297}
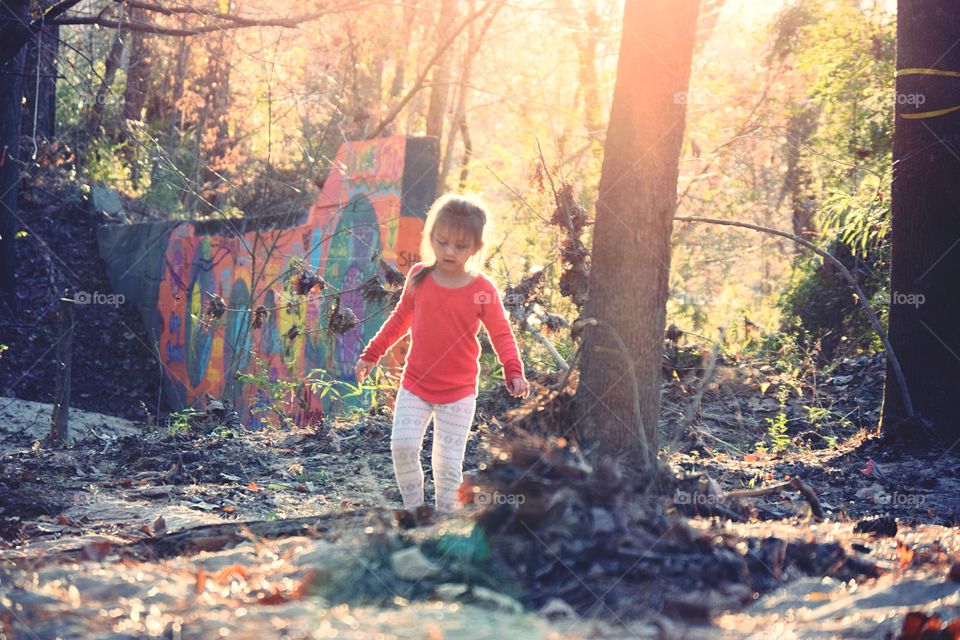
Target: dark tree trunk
{"x":617,"y":401}
{"x":13,"y":14}
{"x":924,"y":304}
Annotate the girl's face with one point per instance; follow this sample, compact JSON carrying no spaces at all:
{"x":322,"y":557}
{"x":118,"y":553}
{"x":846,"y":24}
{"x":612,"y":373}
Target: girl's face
{"x":453,"y":248}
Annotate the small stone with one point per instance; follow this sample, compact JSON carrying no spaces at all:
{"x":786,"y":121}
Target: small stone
{"x":410,"y":564}
{"x":557,"y":609}
{"x":457,"y":592}
{"x":602,"y":521}
{"x":163,"y":491}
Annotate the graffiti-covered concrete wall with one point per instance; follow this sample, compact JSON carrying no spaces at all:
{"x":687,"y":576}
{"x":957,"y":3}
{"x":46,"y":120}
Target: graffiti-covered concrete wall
{"x":373,"y":203}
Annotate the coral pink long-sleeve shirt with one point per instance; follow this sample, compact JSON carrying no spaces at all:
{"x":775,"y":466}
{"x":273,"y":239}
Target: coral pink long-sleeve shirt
{"x":443,"y":362}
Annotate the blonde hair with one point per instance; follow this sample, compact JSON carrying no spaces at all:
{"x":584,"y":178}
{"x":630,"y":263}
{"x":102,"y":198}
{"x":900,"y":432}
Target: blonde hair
{"x":457,"y":213}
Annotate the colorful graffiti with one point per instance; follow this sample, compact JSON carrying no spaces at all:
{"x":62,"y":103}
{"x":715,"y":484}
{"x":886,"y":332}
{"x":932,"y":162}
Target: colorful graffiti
{"x":373,"y":203}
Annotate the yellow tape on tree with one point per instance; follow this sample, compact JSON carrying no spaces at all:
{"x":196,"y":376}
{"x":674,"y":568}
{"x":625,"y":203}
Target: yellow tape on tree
{"x":920,"y":71}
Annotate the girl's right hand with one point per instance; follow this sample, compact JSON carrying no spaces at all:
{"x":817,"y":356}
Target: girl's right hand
{"x":363,"y":368}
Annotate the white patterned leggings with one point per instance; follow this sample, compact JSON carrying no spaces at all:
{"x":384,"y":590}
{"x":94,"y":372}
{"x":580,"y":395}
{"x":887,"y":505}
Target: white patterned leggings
{"x":411,"y":416}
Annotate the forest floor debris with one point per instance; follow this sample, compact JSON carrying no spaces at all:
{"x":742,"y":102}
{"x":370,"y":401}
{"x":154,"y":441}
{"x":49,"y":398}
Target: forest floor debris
{"x":186,"y":534}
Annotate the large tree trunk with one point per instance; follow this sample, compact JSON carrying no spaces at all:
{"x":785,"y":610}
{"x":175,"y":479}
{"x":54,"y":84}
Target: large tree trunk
{"x":14,"y":14}
{"x":618,"y":397}
{"x":924,"y":304}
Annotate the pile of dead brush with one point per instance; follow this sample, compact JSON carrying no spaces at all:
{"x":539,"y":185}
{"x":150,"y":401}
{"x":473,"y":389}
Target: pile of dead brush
{"x":610,"y":540}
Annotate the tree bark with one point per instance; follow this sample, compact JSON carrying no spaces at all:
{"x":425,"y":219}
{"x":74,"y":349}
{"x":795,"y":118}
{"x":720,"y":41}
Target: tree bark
{"x":925,"y":237}
{"x":14,"y":15}
{"x":617,"y":401}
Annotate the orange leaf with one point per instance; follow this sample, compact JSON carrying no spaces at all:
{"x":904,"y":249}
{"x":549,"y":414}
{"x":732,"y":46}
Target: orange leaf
{"x":253,"y":486}
{"x":228,"y":573}
{"x":97,"y":550}
{"x":905,"y":553}
{"x":201,"y":583}
{"x":276,"y":597}
{"x":309,"y":578}
{"x":64,"y":520}
{"x":227,"y":508}
{"x":916,"y":623}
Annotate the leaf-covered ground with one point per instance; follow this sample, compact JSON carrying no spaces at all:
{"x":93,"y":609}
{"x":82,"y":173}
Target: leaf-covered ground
{"x":230,"y":533}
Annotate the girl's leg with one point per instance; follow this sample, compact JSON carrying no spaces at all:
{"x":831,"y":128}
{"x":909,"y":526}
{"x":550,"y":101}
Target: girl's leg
{"x":449,"y":445}
{"x":411,"y":415}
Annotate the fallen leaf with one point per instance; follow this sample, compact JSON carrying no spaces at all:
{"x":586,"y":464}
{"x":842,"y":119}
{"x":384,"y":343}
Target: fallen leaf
{"x":201,"y":582}
{"x":253,"y":486}
{"x":277,"y":597}
{"x":159,"y":525}
{"x":905,"y":553}
{"x":229,"y":573}
{"x":97,"y":550}
{"x":146,"y":529}
{"x":955,"y":572}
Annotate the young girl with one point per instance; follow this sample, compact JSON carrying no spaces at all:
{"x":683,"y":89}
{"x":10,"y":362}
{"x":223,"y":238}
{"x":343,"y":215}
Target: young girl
{"x":443,"y":303}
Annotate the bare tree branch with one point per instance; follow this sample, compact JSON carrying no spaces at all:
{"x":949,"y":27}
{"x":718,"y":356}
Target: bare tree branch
{"x":861,"y":296}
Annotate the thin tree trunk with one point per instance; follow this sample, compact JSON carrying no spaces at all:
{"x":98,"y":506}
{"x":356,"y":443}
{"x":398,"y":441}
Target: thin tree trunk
{"x":409,"y":12}
{"x":59,"y":421}
{"x":40,"y":89}
{"x":617,"y":401}
{"x":924,"y":305}
{"x":467,"y":152}
{"x":458,"y":123}
{"x":103,"y":91}
{"x":798,"y":180}
{"x":440,"y":88}
{"x":14,"y":13}
{"x":138,"y":70}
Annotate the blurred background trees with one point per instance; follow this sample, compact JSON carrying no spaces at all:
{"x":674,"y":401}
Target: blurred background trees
{"x":789,"y":125}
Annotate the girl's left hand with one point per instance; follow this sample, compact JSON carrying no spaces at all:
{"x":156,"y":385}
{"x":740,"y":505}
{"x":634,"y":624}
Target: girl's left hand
{"x":518,"y":387}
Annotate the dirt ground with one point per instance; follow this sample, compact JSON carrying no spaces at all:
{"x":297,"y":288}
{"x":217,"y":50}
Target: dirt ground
{"x":232,"y":533}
